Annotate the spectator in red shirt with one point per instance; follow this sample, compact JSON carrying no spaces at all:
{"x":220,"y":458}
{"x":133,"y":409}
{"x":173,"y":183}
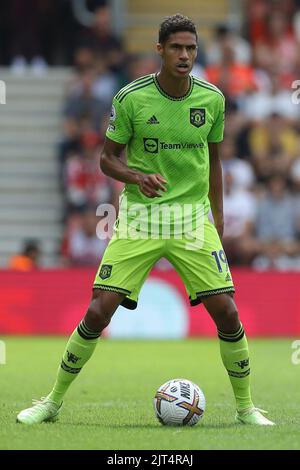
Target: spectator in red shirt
{"x":86,"y":185}
{"x":233,"y":78}
{"x":81,"y":246}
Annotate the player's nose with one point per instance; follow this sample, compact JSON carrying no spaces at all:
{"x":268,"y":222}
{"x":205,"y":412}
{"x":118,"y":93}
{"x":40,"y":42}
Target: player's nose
{"x":184,"y":54}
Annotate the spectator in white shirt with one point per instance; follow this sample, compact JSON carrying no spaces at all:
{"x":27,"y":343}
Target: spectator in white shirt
{"x":239,"y":218}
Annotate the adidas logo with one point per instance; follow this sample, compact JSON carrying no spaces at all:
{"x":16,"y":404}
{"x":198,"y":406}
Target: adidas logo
{"x":153,"y":120}
{"x":228,"y":277}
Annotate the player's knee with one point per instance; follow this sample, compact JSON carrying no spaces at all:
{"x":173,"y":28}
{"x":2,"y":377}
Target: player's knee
{"x":230,"y":319}
{"x":97,"y":315}
{"x":232,"y":314}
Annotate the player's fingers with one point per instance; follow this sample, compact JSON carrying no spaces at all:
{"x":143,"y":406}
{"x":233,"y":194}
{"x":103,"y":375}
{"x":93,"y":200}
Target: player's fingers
{"x":151,"y":195}
{"x":152,"y":186}
{"x":155,"y":183}
{"x":161,"y":178}
{"x":160,"y":185}
{"x":149,"y":184}
{"x":149,"y":192}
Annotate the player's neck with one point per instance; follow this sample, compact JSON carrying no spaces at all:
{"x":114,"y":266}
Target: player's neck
{"x":173,"y":86}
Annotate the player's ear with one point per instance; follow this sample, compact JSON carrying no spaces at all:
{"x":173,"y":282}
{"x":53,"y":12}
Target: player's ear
{"x":196,"y":52}
{"x":159,"y":48}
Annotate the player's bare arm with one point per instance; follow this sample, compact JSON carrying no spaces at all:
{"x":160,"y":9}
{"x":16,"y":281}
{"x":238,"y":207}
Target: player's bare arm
{"x":112,"y":165}
{"x":216,"y":187}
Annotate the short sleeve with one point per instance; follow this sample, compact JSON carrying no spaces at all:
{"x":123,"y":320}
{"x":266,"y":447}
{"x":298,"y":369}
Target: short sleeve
{"x":217,"y":131}
{"x":120,"y":126}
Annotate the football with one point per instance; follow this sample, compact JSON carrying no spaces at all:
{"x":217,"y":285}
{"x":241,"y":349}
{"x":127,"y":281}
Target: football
{"x":179,"y":402}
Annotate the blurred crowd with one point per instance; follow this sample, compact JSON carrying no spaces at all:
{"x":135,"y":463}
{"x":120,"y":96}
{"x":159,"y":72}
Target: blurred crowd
{"x":261,"y":149}
{"x":255,"y":66}
{"x":101,"y":67}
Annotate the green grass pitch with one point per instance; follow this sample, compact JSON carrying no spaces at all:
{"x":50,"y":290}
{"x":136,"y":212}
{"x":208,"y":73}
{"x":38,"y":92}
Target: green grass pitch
{"x":109,"y":406}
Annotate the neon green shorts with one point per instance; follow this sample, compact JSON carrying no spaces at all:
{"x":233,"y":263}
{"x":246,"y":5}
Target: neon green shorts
{"x":201,"y":264}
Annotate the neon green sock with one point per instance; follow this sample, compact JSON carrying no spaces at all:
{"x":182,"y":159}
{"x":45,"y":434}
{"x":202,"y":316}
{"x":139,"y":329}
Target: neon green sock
{"x":235,"y":357}
{"x":79,"y":349}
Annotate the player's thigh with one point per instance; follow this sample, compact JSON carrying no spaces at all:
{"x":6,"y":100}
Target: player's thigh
{"x":106,"y":301}
{"x":125,"y":265}
{"x":201,"y":263}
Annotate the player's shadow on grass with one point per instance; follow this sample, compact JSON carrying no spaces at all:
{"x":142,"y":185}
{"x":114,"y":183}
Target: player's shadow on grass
{"x":172,"y":428}
{"x":151,"y":426}
{"x":111,"y":426}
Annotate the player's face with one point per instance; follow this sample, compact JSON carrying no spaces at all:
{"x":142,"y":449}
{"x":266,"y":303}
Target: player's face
{"x":178,"y":53}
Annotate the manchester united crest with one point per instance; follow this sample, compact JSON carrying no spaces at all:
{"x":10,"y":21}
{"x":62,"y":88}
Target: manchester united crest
{"x":197,"y":116}
{"x":105,"y":271}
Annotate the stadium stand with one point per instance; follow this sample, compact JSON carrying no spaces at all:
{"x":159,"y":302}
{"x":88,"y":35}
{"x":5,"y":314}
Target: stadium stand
{"x":143,"y":18}
{"x":30,"y":194}
{"x":55,"y":119}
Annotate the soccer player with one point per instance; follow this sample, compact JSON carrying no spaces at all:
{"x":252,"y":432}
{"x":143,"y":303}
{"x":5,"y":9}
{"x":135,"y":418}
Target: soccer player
{"x":170,"y":124}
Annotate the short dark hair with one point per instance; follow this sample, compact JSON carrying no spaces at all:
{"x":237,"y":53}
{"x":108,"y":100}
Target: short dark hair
{"x":173,"y":24}
{"x":29,"y":246}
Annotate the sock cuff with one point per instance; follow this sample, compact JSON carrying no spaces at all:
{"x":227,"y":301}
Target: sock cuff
{"x":232,"y":337}
{"x":86,"y":332}
{"x":71,"y":370}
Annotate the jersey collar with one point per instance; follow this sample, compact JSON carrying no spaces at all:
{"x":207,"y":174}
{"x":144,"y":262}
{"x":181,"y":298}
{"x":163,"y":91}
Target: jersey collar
{"x":173,"y":98}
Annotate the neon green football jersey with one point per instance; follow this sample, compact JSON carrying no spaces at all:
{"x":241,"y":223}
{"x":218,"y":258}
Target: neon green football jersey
{"x":170,"y":136}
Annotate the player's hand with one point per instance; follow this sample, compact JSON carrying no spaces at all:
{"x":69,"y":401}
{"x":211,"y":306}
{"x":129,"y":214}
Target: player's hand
{"x":150,"y":184}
